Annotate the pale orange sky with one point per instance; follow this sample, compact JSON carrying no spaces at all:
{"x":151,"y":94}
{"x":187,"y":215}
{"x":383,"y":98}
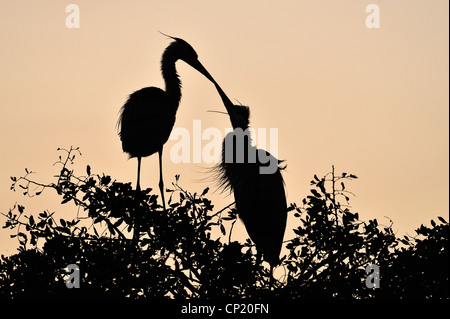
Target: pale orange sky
{"x":373,"y":102}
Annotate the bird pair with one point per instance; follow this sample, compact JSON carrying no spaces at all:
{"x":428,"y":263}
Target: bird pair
{"x":146,"y":121}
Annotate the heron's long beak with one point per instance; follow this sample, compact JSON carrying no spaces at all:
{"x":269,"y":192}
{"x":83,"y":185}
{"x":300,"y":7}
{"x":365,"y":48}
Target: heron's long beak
{"x":200,"y":68}
{"x":226,"y":101}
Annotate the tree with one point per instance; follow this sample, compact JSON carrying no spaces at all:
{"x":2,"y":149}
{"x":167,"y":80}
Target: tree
{"x":186,"y":251}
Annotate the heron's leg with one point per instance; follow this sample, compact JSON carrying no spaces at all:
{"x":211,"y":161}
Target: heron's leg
{"x":137,"y":227}
{"x":161,"y":181}
{"x":138,"y":184}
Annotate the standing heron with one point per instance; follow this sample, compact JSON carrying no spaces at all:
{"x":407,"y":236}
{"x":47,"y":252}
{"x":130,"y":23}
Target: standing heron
{"x":147,"y":118}
{"x":260,"y":198}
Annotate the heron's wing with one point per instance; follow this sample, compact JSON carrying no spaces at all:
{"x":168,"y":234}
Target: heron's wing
{"x":264,"y":212}
{"x":146,"y":121}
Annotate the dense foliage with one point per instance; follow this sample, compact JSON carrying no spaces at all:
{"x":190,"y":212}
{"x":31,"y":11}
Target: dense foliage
{"x":126,"y":246}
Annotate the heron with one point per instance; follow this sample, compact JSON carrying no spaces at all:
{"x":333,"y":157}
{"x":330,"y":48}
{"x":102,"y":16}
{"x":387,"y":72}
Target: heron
{"x":148,"y":116}
{"x":260,"y":199}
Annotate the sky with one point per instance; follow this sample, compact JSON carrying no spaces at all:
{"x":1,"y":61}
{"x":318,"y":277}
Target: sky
{"x":370,"y":101}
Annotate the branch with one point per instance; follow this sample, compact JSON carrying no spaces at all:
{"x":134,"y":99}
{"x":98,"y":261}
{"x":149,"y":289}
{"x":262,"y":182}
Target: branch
{"x":220,"y":211}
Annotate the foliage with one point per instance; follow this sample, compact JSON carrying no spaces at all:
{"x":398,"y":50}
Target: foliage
{"x":126,"y":246}
{"x":332,"y":248}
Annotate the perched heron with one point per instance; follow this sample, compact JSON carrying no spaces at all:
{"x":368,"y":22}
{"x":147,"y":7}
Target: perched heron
{"x":260,"y":198}
{"x":148,"y":116}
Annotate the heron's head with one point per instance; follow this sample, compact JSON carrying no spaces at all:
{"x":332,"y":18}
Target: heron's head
{"x":184,"y":51}
{"x":241,"y":116}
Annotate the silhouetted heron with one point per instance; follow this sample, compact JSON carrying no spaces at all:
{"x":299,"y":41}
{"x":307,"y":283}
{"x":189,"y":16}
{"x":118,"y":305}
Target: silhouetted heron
{"x":148,"y":116}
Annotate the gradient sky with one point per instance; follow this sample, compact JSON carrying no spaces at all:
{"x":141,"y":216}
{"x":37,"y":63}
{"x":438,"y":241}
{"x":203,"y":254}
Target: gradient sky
{"x":372,"y":102}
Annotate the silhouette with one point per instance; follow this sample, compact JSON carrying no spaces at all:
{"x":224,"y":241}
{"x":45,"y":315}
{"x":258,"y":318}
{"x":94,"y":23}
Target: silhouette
{"x":260,"y":198}
{"x":147,"y":118}
{"x":182,"y":259}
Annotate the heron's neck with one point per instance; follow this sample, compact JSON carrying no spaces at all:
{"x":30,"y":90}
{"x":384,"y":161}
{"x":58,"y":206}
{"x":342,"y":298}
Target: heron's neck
{"x":170,"y":75}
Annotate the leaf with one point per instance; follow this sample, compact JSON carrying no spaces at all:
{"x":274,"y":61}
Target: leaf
{"x":322,"y":187}
{"x":222,"y":229}
{"x":62,"y":222}
{"x":442,"y":220}
{"x":315,"y":193}
{"x":404,"y":241}
{"x":118,"y":223}
{"x":88,"y":170}
{"x":74,"y":222}
{"x":205,"y":191}
{"x":110,"y":227}
{"x":433,"y":223}
{"x":174,"y":205}
{"x":22,"y":235}
{"x":105,"y":180}
{"x":31,"y":220}
{"x":99,"y":219}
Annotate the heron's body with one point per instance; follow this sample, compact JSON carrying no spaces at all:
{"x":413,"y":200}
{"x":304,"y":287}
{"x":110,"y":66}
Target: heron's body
{"x":260,"y":199}
{"x":148,"y":116}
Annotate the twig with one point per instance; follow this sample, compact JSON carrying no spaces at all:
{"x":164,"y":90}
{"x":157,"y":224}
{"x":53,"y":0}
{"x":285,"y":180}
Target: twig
{"x":222,"y":210}
{"x":231,"y":230}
